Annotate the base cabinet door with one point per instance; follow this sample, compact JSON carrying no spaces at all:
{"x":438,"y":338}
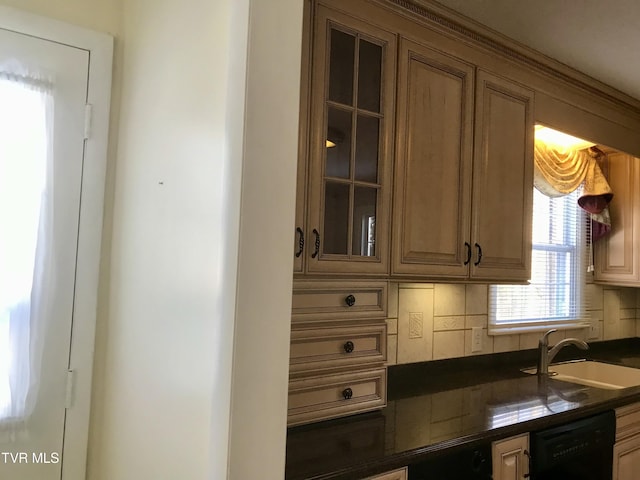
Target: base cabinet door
{"x":626,"y":451}
{"x":626,"y":459}
{"x":510,"y":460}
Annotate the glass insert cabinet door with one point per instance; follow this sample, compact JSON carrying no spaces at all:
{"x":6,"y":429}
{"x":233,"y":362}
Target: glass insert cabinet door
{"x":351,"y":126}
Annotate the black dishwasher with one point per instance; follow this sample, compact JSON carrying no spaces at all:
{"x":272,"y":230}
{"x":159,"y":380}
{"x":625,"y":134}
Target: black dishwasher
{"x":466,"y":463}
{"x":580,"y":450}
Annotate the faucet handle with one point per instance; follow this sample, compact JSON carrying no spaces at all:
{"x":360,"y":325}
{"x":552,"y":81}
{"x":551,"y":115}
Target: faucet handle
{"x":544,"y":341}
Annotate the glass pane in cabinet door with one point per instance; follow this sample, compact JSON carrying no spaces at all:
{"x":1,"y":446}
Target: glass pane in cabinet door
{"x":336,"y":218}
{"x":338,"y":143}
{"x":369,"y":76}
{"x":367,"y":134}
{"x":341,"y":67}
{"x":364,"y":221}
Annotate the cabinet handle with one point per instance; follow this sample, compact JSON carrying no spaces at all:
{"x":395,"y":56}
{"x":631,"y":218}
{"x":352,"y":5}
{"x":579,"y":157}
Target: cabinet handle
{"x":300,"y":242}
{"x":349,"y":346}
{"x":528,"y":455}
{"x":350,"y":300}
{"x":317,"y":234}
{"x":466,"y":244}
{"x":347,"y":393}
{"x":479,"y":255}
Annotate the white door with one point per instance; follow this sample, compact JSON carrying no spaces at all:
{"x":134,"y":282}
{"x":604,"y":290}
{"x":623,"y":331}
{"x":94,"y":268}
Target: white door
{"x":43,"y":92}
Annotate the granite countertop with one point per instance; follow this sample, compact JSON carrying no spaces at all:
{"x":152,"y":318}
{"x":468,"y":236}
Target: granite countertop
{"x":438,"y":407}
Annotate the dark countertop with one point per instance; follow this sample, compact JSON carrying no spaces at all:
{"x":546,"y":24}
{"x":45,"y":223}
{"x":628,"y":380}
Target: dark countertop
{"x":441,"y":406}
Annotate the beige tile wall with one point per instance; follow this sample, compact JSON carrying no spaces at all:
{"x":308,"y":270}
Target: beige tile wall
{"x":435,"y":321}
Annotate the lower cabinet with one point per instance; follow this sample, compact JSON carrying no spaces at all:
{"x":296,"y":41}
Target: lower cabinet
{"x":400,"y":474}
{"x":510,"y":458}
{"x":626,"y":451}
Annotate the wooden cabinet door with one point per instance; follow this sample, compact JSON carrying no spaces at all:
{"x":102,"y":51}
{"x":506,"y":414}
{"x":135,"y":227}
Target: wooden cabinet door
{"x":350,"y":145}
{"x":502,"y":180}
{"x":433,"y":163}
{"x":626,"y":459}
{"x":615,"y":262}
{"x":510,"y":461}
{"x":299,"y":238}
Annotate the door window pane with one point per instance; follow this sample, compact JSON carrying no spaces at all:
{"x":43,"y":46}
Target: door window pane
{"x":369,"y":76}
{"x":364,"y":221}
{"x":338,"y":143}
{"x":336,"y":218}
{"x":367,"y":134}
{"x":341,"y":67}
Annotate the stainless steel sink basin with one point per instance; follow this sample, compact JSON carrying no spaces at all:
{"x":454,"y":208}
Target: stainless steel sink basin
{"x":594,"y":374}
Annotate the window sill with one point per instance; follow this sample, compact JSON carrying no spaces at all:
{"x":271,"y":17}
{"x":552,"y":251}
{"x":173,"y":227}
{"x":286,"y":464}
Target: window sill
{"x":518,"y":329}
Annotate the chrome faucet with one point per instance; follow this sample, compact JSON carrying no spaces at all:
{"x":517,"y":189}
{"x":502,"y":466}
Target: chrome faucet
{"x":546,"y":354}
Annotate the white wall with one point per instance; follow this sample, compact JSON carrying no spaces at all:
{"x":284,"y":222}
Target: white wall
{"x":199,"y":212}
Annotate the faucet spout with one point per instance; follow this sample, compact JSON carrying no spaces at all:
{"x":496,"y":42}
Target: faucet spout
{"x":546,"y":354}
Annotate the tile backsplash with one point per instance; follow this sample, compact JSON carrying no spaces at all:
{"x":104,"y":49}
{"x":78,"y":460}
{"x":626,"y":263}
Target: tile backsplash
{"x":437,"y":321}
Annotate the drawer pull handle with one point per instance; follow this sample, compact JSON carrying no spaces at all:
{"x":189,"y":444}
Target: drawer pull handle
{"x":347,"y":393}
{"x":348,"y":346}
{"x":350,"y":300}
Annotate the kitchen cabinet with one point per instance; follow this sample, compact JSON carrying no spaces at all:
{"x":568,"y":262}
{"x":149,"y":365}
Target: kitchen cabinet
{"x":463,"y":207}
{"x":400,"y":474}
{"x":617,"y":261}
{"x":350,"y":143}
{"x":338,"y":349}
{"x":626,"y":451}
{"x":510,"y":458}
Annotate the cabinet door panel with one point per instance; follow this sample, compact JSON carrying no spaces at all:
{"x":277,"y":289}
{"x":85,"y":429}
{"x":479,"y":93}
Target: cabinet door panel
{"x":350,"y":137}
{"x":502,"y":180}
{"x":433,"y":162}
{"x":626,"y":459}
{"x":509,"y":458}
{"x":615,"y":259}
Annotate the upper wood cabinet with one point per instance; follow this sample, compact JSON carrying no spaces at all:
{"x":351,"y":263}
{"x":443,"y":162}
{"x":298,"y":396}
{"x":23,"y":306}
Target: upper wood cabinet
{"x":462,"y":208}
{"x":350,"y":138}
{"x":502,"y":202}
{"x":616,"y":259}
{"x":431,"y":215}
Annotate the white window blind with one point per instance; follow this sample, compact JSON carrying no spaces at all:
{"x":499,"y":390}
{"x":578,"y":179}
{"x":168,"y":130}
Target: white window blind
{"x":555,"y":296}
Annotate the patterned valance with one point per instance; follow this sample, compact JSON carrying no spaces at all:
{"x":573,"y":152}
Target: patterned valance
{"x":559,"y":172}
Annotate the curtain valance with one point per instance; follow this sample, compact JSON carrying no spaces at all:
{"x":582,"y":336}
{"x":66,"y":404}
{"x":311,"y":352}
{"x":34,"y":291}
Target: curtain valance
{"x":559,"y":172}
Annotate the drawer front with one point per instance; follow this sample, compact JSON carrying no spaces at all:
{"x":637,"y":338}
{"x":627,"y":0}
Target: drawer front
{"x":336,"y":347}
{"x":329,"y":396}
{"x":395,"y":475}
{"x":318,"y":300}
{"x":627,"y":421}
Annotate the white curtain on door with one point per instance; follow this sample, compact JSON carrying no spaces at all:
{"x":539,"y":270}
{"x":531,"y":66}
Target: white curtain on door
{"x":26,"y":114}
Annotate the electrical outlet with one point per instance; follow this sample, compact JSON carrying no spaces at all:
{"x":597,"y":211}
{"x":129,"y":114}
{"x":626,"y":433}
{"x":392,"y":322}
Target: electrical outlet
{"x":594,"y":330}
{"x":476,"y":339}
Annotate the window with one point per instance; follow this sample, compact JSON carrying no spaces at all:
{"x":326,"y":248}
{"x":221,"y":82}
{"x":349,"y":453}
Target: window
{"x":555,"y":296}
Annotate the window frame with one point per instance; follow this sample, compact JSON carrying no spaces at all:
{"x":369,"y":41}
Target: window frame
{"x":577,"y":317}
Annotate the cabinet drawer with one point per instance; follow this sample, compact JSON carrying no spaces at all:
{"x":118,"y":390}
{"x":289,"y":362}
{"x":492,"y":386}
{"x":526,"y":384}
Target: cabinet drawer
{"x":627,"y":421}
{"x":328,"y":396}
{"x":335,"y":347}
{"x":395,"y":475}
{"x":317,"y":301}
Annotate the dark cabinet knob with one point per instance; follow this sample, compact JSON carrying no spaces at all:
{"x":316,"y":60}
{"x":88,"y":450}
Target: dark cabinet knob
{"x":348,"y":346}
{"x":347,"y":393}
{"x":350,"y":300}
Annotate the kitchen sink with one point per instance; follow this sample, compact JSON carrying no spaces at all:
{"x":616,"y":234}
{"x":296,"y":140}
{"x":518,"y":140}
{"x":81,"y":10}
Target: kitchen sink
{"x":594,"y":374}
